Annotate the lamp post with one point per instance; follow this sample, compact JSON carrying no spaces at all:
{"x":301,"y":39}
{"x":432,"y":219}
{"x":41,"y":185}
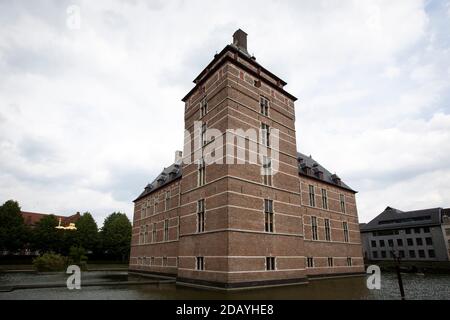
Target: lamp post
{"x":399,"y":275}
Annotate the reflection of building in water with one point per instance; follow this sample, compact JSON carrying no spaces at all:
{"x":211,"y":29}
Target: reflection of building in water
{"x":420,"y":235}
{"x":232,"y":225}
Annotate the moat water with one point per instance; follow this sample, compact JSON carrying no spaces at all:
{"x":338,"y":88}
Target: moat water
{"x":416,"y":287}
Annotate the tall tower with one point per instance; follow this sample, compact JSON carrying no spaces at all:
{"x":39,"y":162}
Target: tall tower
{"x":240,"y":221}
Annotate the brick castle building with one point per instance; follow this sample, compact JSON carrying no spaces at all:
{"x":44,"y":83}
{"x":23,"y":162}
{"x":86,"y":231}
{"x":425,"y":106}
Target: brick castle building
{"x":227,"y":225}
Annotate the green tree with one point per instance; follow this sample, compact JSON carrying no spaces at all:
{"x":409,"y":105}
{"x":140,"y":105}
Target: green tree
{"x":116,"y":235}
{"x":87,"y":235}
{"x":77,"y":255}
{"x":13,"y":231}
{"x":46,"y":238}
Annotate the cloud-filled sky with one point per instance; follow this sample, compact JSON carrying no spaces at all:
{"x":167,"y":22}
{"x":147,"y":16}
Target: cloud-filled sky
{"x":89,"y":116}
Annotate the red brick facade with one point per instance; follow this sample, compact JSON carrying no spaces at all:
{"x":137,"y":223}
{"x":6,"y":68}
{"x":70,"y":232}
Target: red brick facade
{"x":235,"y":246}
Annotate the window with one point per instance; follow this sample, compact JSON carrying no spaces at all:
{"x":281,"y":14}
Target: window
{"x":412,"y":253}
{"x":381,"y":243}
{"x":141,"y":235}
{"x":314,"y":228}
{"x":270,"y":263}
{"x":152,"y":261}
{"x":154,"y":233}
{"x":203,"y":108}
{"x":390,"y":243}
{"x":421,"y":253}
{"x":268,"y":215}
{"x":155,"y":210}
{"x":408,"y":231}
{"x":312,"y":199}
{"x":201,"y":215}
{"x":201,"y":173}
{"x":330,"y":261}
{"x":419,"y":241}
{"x":416,"y":230}
{"x":374,"y":244}
{"x":264,"y":104}
{"x":145,"y":233}
{"x":426,"y":229}
{"x":167,"y":203}
{"x":409,"y":241}
{"x":401,"y":254}
{"x":345,"y":226}
{"x":327,"y":230}
{"x":200,"y":265}
{"x":203,"y":136}
{"x":342,"y":201}
{"x":375,"y":254}
{"x":164,"y":261}
{"x":431,"y":253}
{"x":142,"y":210}
{"x":310,"y":262}
{"x":349,"y":261}
{"x":267,"y":171}
{"x":324,"y":199}
{"x":429,"y":241}
{"x":383,"y":254}
{"x":166,"y":230}
{"x":400,"y":242}
{"x":265,"y":134}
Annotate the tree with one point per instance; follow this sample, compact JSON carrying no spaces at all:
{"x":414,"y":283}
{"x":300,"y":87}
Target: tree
{"x":13,"y":231}
{"x":116,"y":235}
{"x":86,"y":235}
{"x":46,"y":238}
{"x":77,"y":255}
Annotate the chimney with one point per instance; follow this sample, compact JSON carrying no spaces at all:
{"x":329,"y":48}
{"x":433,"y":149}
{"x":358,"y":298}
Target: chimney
{"x":240,"y":40}
{"x":178,"y":157}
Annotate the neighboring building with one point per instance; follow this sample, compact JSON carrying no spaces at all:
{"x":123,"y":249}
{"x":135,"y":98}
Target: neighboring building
{"x":446,"y":228}
{"x":421,"y":235}
{"x":32,"y":218}
{"x":234,"y":225}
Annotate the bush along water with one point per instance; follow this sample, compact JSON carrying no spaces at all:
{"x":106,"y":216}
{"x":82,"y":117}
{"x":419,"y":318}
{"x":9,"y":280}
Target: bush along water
{"x":50,"y":262}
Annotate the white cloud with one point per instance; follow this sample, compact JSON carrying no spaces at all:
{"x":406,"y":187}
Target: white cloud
{"x":88,"y":116}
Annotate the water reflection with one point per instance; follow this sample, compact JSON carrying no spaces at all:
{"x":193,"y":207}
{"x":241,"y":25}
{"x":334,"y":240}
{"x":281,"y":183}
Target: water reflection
{"x":416,"y":287}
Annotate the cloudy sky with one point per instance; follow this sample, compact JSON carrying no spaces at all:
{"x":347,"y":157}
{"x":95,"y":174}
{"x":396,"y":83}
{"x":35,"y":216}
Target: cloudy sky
{"x":89,"y":115}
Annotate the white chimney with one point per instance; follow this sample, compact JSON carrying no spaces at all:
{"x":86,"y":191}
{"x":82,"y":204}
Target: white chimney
{"x":178,"y":156}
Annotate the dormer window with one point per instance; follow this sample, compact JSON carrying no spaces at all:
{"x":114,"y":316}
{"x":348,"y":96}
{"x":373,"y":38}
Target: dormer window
{"x":306,"y":169}
{"x":318,"y":173}
{"x":336,"y":179}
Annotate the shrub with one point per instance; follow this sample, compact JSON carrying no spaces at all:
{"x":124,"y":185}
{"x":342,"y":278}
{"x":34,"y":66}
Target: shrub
{"x":77,"y":255}
{"x":50,"y":262}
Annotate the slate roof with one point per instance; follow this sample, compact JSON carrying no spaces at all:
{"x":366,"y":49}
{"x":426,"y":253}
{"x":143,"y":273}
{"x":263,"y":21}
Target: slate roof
{"x":168,"y":175}
{"x":309,"y":167}
{"x":392,"y":218}
{"x":174,"y":172}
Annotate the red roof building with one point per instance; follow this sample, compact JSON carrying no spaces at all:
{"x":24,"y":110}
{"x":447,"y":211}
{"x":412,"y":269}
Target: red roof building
{"x":32,"y":218}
